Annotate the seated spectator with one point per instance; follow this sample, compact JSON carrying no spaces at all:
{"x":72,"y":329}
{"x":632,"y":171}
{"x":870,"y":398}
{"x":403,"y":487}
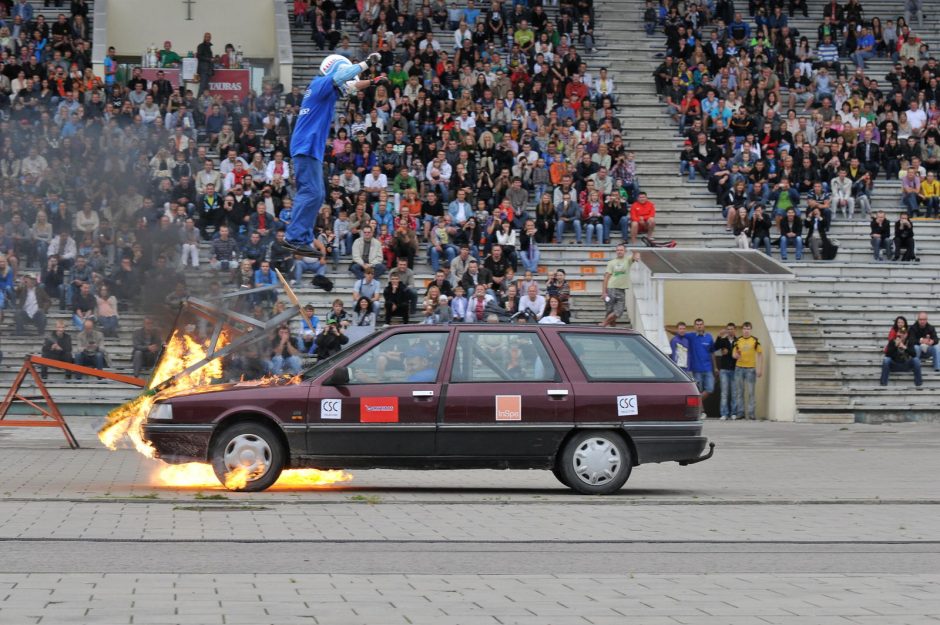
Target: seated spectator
{"x":553,"y":313}
{"x":369,"y":288}
{"x":57,"y":346}
{"x":567,"y":215}
{"x":476,"y":306}
{"x":284,"y":355}
{"x":338,"y":314}
{"x":225,"y":251}
{"x":264,"y":276}
{"x":32,"y":303}
{"x":367,"y":252}
{"x":900,"y":354}
{"x":106,"y":311}
{"x":880,"y":235}
{"x":147,"y":346}
{"x":642,"y":218}
{"x":363,"y":313}
{"x":532,"y":302}
{"x":84,"y":306}
{"x":816,"y":228}
{"x":760,"y":225}
{"x":331,"y":340}
{"x":7,"y":281}
{"x":791,"y":234}
{"x":904,"y":239}
{"x":91,"y":351}
{"x":397,"y":302}
{"x":924,"y":338}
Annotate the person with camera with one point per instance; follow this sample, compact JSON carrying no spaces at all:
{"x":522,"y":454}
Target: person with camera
{"x":904,"y":238}
{"x":900,"y":355}
{"x":331,"y":340}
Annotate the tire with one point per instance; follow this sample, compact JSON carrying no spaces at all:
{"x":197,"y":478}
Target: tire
{"x":596,"y":463}
{"x":252,"y":445}
{"x":560,"y":476}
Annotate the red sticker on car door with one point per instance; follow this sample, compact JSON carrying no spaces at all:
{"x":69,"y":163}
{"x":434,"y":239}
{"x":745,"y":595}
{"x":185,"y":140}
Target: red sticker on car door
{"x":378,"y":410}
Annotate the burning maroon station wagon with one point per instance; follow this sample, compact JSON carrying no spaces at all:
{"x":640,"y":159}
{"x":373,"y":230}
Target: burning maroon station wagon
{"x":587,"y":403}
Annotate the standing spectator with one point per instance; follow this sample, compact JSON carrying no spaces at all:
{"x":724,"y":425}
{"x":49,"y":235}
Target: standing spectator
{"x":57,"y":346}
{"x":615,"y":285}
{"x":680,"y":348}
{"x":204,"y":62}
{"x":642,"y":218}
{"x":723,"y":352}
{"x":701,"y":346}
{"x":147,"y":345}
{"x":749,"y":365}
{"x":32,"y":305}
{"x":91,"y":352}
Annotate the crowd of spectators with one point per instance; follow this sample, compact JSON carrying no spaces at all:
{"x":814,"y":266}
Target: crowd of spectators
{"x":485,"y":145}
{"x":776,"y":119}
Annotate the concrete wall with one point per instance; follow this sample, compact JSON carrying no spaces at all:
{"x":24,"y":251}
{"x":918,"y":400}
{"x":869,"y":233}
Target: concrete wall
{"x":135,"y":24}
{"x":717,"y":303}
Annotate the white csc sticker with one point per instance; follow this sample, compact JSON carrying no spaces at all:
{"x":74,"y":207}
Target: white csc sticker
{"x":331,"y":408}
{"x":626,"y":406}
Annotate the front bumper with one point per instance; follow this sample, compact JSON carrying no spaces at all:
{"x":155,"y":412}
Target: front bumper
{"x":178,"y":443}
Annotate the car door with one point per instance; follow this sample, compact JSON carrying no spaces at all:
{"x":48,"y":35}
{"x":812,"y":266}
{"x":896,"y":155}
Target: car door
{"x":505,"y":396}
{"x":389,"y":405}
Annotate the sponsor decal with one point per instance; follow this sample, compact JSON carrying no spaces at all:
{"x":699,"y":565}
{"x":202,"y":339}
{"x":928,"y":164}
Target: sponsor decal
{"x":378,"y":410}
{"x":331,"y":408}
{"x":626,"y":406}
{"x":509,"y":407}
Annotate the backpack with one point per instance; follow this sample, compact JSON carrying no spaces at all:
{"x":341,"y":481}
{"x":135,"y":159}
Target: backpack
{"x":322,"y":282}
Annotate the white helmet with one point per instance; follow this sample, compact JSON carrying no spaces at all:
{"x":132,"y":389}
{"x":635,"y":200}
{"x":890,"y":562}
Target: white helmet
{"x":332,"y":63}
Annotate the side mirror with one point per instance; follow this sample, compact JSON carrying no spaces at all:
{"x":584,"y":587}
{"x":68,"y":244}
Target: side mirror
{"x":339,"y":377}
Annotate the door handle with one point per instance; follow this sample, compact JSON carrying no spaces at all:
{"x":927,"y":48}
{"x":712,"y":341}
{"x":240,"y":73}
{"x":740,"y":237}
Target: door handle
{"x":422,"y":393}
{"x":557,"y":392}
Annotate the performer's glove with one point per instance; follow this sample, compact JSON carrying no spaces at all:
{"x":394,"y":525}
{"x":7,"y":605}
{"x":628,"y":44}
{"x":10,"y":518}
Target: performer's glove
{"x":374,"y":59}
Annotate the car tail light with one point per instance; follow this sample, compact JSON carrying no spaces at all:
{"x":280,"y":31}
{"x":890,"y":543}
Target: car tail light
{"x":693,"y":406}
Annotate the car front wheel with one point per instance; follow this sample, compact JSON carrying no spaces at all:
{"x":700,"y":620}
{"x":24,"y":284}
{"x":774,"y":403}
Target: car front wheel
{"x":596,"y":463}
{"x":247,"y":457}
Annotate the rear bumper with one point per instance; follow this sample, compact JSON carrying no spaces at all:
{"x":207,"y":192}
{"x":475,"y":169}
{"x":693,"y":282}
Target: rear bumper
{"x":675,"y":441}
{"x":179,"y":443}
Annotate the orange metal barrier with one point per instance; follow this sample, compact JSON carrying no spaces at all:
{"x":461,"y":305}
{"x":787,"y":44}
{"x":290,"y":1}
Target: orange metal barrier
{"x":51,"y":417}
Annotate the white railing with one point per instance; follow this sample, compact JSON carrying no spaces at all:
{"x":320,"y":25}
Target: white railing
{"x":285,"y":47}
{"x":773,"y":299}
{"x":646,"y":303}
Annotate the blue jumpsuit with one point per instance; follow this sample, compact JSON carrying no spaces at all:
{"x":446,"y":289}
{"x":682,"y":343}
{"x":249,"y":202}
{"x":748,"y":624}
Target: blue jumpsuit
{"x":308,"y":144}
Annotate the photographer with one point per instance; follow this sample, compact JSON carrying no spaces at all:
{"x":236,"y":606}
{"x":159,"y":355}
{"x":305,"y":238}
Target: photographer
{"x":901,"y":355}
{"x":331,"y":340}
{"x":816,"y":227}
{"x":904,"y":238}
{"x":760,"y":229}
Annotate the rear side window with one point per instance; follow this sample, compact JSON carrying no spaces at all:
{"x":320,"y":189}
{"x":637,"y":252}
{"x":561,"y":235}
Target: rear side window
{"x":619,"y":357}
{"x":501,"y":357}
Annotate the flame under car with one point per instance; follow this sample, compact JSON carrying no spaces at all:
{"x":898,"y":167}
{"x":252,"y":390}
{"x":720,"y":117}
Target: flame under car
{"x":588,"y":404}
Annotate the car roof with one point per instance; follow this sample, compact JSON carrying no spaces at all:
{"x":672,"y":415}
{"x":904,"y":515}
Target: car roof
{"x":502,"y":327}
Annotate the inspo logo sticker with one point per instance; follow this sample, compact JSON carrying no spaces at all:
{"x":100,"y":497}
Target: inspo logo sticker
{"x":378,"y":410}
{"x":509,"y":407}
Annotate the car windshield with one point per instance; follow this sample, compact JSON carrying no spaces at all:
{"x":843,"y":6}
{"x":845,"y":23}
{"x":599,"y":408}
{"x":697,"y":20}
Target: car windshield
{"x":321,"y":366}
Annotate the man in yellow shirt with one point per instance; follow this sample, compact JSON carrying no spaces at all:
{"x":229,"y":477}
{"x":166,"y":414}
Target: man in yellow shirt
{"x":616,"y":283}
{"x":930,"y":195}
{"x":749,"y":365}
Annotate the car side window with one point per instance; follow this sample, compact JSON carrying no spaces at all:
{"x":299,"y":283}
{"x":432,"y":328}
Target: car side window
{"x":615,"y":357}
{"x":501,"y":357}
{"x":403,"y":358}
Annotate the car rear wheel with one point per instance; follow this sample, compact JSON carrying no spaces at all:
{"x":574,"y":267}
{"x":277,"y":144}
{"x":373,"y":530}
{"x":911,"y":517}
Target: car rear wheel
{"x":560,"y":476}
{"x":596,"y":463}
{"x":247,"y":457}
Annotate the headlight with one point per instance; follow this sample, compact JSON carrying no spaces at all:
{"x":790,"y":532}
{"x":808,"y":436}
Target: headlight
{"x":161,"y":412}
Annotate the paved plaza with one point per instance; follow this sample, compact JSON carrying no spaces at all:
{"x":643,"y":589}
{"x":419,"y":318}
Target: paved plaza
{"x":786,"y":524}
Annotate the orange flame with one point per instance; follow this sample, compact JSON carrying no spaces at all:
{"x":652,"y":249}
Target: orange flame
{"x":128,"y":420}
{"x":180,"y":353}
{"x":201,"y":475}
